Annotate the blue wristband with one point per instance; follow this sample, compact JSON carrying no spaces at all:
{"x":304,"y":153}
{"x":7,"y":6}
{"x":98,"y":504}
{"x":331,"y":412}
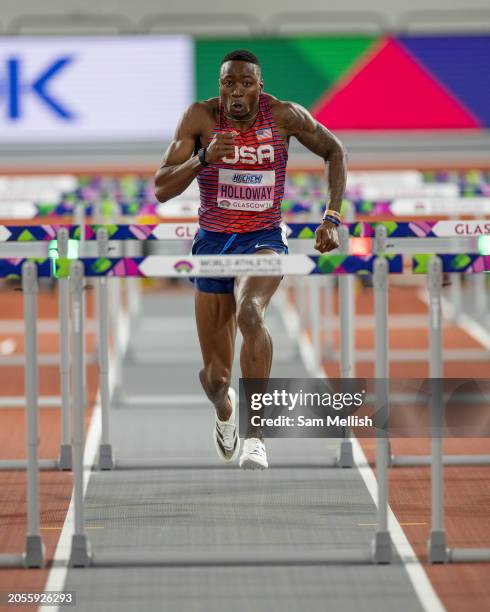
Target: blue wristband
{"x":332,"y":220}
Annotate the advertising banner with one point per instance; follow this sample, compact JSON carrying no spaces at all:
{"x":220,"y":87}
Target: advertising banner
{"x":75,"y":89}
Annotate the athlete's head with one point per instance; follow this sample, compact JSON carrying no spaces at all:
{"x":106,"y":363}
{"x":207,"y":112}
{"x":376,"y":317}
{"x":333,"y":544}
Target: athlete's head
{"x":240,"y":84}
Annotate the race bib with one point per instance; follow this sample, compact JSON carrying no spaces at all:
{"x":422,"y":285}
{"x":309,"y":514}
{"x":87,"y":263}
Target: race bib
{"x":245,"y":189}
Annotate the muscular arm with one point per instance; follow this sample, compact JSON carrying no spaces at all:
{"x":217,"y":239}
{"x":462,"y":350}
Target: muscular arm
{"x":319,"y":140}
{"x":179,"y":166}
{"x":297,"y":121}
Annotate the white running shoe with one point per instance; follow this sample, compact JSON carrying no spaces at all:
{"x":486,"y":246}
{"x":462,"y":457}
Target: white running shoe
{"x":225,"y":434}
{"x":253,"y":455}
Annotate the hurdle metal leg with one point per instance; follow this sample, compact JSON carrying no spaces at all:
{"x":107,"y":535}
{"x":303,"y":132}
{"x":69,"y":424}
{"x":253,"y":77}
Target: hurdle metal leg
{"x":106,"y":459}
{"x":133,"y":300}
{"x":65,"y":459}
{"x":80,"y":219}
{"x":80,"y":551}
{"x":34,"y":555}
{"x":315,"y":318}
{"x":380,"y":282}
{"x":437,"y":550}
{"x":115,"y":306}
{"x":382,"y":548}
{"x":346,"y":318}
{"x":480,"y":296}
{"x":456,"y":292}
{"x":328,"y":321}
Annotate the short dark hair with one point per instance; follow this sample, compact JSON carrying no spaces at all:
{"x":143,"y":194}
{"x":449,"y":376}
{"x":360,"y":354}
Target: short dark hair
{"x":241,"y":55}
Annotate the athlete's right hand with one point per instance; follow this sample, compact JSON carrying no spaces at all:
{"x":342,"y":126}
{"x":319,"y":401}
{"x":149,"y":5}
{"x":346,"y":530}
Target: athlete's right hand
{"x":222,"y":145}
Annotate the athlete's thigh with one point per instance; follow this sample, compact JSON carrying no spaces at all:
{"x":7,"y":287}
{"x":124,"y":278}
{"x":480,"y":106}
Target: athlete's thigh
{"x":258,"y":289}
{"x":216,"y":326}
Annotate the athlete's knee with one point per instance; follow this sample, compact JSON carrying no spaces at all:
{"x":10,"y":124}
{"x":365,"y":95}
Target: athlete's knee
{"x":249,"y":317}
{"x":218,"y":378}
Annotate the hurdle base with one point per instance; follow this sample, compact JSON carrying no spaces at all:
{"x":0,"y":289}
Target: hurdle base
{"x":8,"y":465}
{"x":80,"y":551}
{"x":381,"y":546}
{"x":469,"y":555}
{"x":437,"y":551}
{"x":345,"y":457}
{"x":65,"y":462}
{"x":106,"y":458}
{"x":117,"y":395}
{"x":199,"y":464}
{"x":12,"y":560}
{"x":230,"y":559}
{"x":34,"y":554}
{"x":420,"y":460}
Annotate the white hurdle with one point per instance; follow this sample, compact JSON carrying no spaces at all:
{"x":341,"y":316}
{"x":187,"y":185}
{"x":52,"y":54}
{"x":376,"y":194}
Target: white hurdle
{"x":437,"y":550}
{"x":34,"y":547}
{"x":81,"y":555}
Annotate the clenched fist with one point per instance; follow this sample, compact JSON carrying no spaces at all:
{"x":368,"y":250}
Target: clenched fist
{"x":326,"y":237}
{"x":222,"y":145}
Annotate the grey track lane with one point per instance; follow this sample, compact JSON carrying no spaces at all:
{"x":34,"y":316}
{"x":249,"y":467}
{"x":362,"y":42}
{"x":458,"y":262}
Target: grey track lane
{"x":222,"y":508}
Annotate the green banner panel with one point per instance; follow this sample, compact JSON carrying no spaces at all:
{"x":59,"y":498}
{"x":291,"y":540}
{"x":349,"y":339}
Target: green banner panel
{"x":300,"y":69}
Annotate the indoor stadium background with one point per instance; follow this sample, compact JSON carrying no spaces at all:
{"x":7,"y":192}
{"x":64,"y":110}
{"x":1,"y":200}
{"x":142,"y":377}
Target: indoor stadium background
{"x":91,"y":92}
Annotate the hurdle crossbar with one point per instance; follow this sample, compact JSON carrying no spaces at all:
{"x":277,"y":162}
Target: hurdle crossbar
{"x":294,"y":231}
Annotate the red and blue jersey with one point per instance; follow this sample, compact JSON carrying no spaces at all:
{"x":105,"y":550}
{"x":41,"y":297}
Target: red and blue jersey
{"x":243,"y":193}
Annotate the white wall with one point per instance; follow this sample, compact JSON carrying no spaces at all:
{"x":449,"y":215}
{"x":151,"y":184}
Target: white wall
{"x":392,"y":11}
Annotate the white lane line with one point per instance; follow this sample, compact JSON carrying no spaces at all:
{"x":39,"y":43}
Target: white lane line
{"x":416,"y":573}
{"x":420,"y":581}
{"x":59,"y":570}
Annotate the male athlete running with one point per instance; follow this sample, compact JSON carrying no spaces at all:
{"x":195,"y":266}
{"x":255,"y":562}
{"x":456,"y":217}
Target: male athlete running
{"x":237,"y":147}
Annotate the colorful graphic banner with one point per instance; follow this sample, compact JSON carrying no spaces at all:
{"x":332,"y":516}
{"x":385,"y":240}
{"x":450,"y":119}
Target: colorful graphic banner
{"x":367,"y":82}
{"x":302,"y":231}
{"x":469,"y":263}
{"x":164,"y":266}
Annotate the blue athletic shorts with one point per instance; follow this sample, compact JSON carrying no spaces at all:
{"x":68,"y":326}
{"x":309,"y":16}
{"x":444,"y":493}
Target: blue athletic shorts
{"x":216,"y":243}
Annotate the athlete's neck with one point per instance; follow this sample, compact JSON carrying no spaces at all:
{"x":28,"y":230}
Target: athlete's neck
{"x":242,"y":123}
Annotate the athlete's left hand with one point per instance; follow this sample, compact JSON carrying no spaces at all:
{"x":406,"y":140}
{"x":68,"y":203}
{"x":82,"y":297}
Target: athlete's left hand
{"x":326,"y":237}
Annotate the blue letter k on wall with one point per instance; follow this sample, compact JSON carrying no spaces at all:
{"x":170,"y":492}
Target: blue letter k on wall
{"x":16,"y":88}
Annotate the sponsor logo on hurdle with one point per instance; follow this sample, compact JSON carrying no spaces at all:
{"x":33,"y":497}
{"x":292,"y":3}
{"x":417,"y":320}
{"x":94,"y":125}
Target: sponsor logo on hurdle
{"x":475,"y":229}
{"x":462,"y":228}
{"x":168,"y":231}
{"x":183,"y":266}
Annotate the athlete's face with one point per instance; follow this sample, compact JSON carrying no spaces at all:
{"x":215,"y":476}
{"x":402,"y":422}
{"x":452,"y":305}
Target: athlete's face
{"x":239,"y":88}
